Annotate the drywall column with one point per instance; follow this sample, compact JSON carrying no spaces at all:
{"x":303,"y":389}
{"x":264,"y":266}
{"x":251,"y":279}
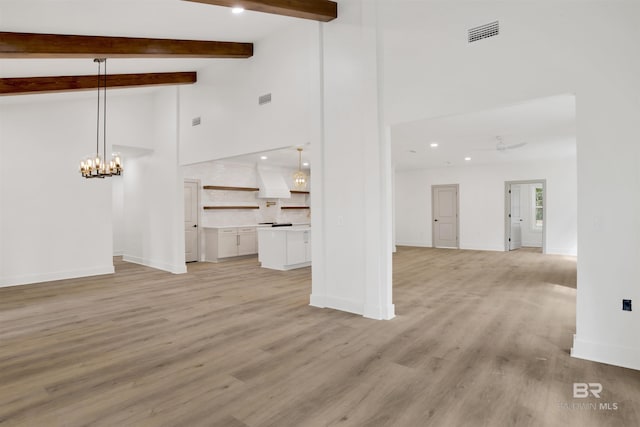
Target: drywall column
{"x":354,"y":222}
{"x":153,"y":195}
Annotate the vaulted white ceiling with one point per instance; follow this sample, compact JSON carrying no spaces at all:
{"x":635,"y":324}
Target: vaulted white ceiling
{"x":128,"y":18}
{"x":546,"y":125}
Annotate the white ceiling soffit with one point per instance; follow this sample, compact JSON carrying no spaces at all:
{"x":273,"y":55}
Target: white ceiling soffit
{"x":546,"y":125}
{"x":173,"y":19}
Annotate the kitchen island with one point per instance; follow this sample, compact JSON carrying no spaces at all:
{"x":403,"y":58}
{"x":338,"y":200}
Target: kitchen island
{"x":284,"y":248}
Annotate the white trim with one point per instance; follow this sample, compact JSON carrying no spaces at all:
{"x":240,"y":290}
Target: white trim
{"x":627,"y":357}
{"x":379,"y":312}
{"x":118,"y":253}
{"x":29,"y":279}
{"x":177,"y":269}
{"x":415,"y":244}
{"x":482,"y":248}
{"x":341,"y":304}
{"x":562,"y":251}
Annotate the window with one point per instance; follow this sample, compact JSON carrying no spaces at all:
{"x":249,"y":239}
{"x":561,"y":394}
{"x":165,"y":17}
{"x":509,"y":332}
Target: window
{"x":538,"y":209}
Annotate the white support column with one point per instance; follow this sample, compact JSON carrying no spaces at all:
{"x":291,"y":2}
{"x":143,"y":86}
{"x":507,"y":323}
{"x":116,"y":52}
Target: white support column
{"x":352,"y":272}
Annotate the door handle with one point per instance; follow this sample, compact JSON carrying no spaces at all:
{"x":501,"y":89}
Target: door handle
{"x":435,"y":220}
{"x":195,"y":225}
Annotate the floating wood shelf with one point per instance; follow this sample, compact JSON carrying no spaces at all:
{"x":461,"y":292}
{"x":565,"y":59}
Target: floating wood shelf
{"x":231,"y":207}
{"x":295,"y":207}
{"x":299,"y":192}
{"x":218,"y":187}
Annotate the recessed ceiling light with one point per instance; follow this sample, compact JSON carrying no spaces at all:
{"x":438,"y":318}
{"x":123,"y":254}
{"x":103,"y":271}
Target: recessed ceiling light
{"x":433,"y":145}
{"x":412,"y":151}
{"x":467,"y":158}
{"x":263,"y":157}
{"x":305,"y":164}
{"x":237,"y":10}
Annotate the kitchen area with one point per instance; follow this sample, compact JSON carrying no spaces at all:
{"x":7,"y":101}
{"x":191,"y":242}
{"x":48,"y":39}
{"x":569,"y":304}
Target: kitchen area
{"x":257,"y":204}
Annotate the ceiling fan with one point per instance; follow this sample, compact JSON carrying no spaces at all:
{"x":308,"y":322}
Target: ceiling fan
{"x":502,"y":147}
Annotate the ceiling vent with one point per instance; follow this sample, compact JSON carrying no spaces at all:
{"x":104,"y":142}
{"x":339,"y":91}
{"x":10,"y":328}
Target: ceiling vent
{"x":484,"y":31}
{"x":264,"y":99}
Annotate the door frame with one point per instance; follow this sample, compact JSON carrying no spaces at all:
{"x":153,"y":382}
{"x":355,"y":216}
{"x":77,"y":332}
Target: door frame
{"x":507,"y":206}
{"x":199,"y":233}
{"x":433,"y":223}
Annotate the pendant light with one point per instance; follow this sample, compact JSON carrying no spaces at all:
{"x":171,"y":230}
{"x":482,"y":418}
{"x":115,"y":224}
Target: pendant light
{"x":96,"y":166}
{"x":300,"y":178}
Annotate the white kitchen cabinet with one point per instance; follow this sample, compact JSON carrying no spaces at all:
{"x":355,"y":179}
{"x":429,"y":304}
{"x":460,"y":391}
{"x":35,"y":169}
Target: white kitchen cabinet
{"x":247,"y":241}
{"x":298,"y":247}
{"x":229,"y":242}
{"x":284,"y":248}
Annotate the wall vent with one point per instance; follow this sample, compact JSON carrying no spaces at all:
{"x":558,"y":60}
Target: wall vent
{"x":195,"y":121}
{"x":264,"y":99}
{"x":484,"y":31}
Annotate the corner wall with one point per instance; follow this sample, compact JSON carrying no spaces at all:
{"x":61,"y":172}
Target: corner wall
{"x":545,"y":49}
{"x":54,"y":224}
{"x":153,"y":194}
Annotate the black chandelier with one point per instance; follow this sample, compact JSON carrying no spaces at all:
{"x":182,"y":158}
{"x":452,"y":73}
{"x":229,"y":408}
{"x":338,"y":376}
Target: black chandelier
{"x":96,"y":166}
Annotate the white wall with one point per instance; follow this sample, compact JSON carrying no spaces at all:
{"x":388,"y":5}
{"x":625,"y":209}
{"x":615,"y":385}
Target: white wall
{"x":226,"y":99}
{"x":153,"y":194}
{"x":544,"y":49}
{"x":54,"y":224}
{"x":482,"y":203}
{"x":117,"y":209}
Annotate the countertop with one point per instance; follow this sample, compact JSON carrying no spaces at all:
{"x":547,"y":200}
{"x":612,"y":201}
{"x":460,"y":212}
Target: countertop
{"x":303,"y":224}
{"x":293,"y":228}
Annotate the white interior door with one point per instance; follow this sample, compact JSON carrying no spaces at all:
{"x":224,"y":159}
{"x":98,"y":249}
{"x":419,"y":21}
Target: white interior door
{"x":515,"y":241}
{"x":445,"y":216}
{"x":191,"y":221}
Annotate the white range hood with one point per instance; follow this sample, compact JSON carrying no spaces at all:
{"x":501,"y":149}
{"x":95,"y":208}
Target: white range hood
{"x":272,"y":185}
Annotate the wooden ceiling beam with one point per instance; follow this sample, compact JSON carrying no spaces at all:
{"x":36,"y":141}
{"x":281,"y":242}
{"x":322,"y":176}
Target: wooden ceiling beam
{"x":35,"y":45}
{"x":317,"y":10}
{"x":30,"y":85}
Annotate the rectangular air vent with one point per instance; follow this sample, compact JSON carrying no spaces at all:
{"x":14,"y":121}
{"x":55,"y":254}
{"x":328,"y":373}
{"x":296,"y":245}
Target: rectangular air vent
{"x":195,"y":121}
{"x":484,"y":31}
{"x":264,"y":99}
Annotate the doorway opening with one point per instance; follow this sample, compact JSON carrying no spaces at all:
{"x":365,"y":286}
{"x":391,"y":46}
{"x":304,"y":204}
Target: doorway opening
{"x":525,"y":219}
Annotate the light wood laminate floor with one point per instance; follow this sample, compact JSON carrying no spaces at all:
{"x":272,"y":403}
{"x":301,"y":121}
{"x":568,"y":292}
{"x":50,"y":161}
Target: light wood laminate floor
{"x":480,"y":339}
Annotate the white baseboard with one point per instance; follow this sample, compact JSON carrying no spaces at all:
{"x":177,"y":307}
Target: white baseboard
{"x":380,"y":313}
{"x":179,"y":269}
{"x":341,"y":304}
{"x":482,"y":248}
{"x":561,"y":251}
{"x":415,"y":244}
{"x":532,"y":244}
{"x":118,"y":253}
{"x":626,"y":357}
{"x":28,"y":279}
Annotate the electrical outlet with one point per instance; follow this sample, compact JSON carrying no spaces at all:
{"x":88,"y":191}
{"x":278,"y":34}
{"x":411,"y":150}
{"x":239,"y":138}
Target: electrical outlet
{"x":626,"y":304}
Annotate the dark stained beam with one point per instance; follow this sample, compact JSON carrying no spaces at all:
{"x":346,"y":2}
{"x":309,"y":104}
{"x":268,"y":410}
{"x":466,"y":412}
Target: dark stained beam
{"x":317,"y":10}
{"x":29,"y":85}
{"x":34,"y":45}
